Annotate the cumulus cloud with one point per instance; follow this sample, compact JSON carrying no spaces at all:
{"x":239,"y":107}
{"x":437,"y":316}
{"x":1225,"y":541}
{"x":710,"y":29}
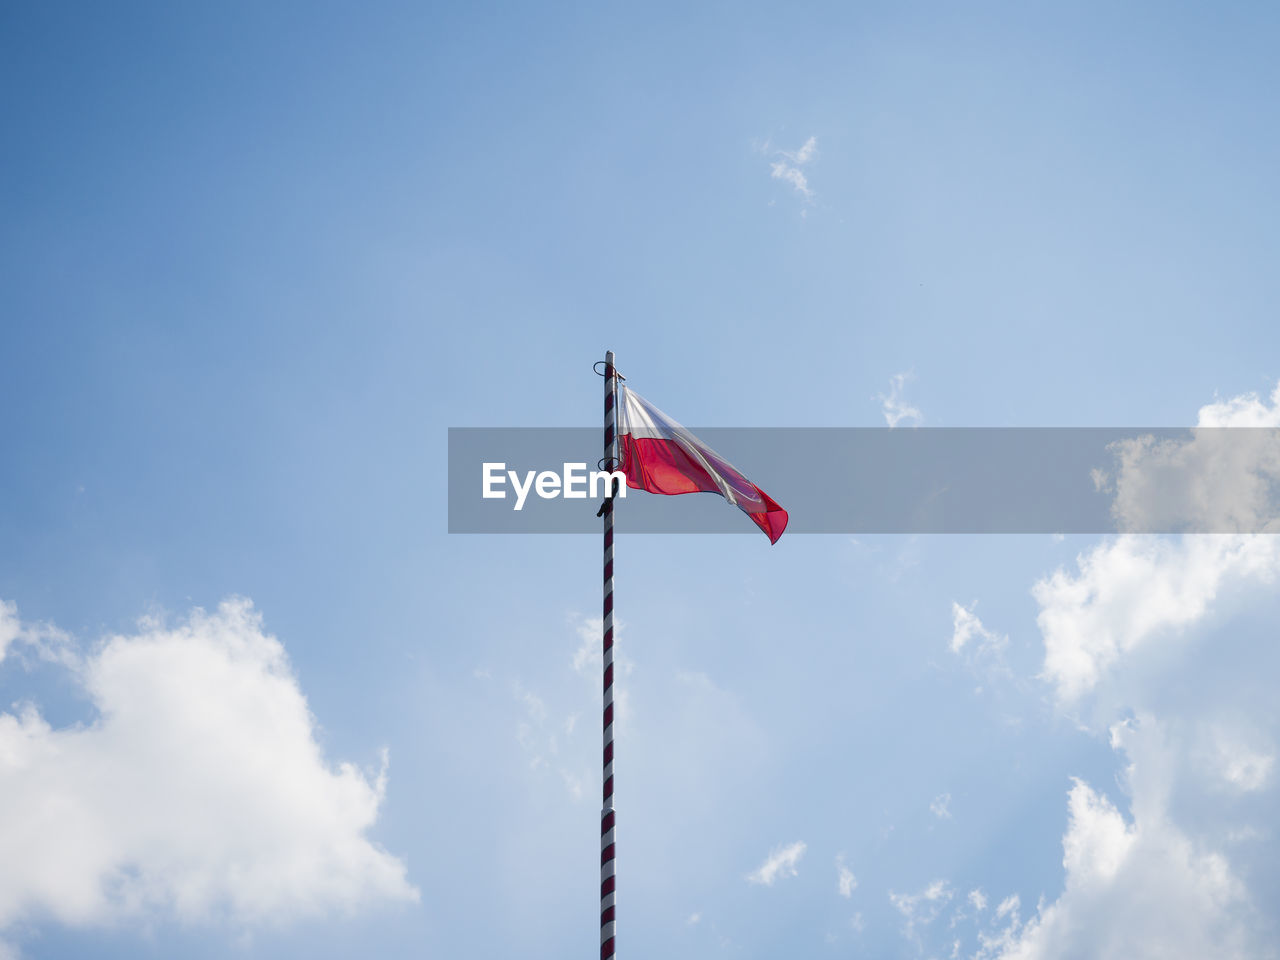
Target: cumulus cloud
{"x":1214,"y":480}
{"x":1194,"y":721}
{"x":1245,"y":410}
{"x":894,"y":406}
{"x":1141,"y":631}
{"x":198,"y":791}
{"x":789,"y":166}
{"x":1173,"y":879}
{"x":781,"y":862}
{"x":1134,"y":590}
{"x":1133,"y":891}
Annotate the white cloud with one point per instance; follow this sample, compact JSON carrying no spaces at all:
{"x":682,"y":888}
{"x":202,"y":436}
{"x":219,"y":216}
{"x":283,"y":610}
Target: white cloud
{"x":44,"y":640}
{"x":965,"y":626}
{"x":540,"y":738}
{"x":806,"y":152}
{"x":1009,"y":906}
{"x":921,"y":909}
{"x":557,"y":746}
{"x":1245,"y":410}
{"x":980,"y":649}
{"x":781,"y":862}
{"x":1133,"y":590}
{"x":846,"y":882}
{"x":537,"y":709}
{"x":1214,"y":480}
{"x":978,"y":900}
{"x":588,"y":661}
{"x":995,"y":941}
{"x":894,"y":405}
{"x":1196,"y":723}
{"x":1240,"y":765}
{"x":788,"y":168}
{"x":199,"y":790}
{"x":1097,"y":841}
{"x":941,"y":806}
{"x":793,"y":176}
{"x":9,"y":626}
{"x":1133,"y":891}
{"x":693,"y":920}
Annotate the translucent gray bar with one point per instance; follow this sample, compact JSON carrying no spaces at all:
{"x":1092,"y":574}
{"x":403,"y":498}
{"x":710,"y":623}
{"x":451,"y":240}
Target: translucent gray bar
{"x":926,"y":480}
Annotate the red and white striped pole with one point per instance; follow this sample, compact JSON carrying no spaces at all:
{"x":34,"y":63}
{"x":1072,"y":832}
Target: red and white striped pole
{"x":607,"y":878}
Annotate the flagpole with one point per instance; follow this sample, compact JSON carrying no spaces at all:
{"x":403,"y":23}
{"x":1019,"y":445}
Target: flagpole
{"x":607,"y":879}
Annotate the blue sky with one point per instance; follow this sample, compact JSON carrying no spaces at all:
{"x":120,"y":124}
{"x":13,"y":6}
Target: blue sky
{"x":255,"y":261}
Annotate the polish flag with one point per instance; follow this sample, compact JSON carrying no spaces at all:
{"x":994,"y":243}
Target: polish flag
{"x":660,"y":456}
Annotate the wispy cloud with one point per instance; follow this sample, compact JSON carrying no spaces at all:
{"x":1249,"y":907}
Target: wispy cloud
{"x":941,"y":806}
{"x":1009,"y":905}
{"x":549,"y":732}
{"x":42,"y":640}
{"x":588,"y":662}
{"x":846,"y":882}
{"x":1240,"y":766}
{"x":9,"y":626}
{"x":788,"y":166}
{"x":894,"y":405}
{"x":966,"y":627}
{"x":781,"y":862}
{"x":921,"y":909}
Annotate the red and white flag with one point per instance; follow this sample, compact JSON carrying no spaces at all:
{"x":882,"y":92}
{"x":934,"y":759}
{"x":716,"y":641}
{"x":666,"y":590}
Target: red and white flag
{"x":660,"y":456}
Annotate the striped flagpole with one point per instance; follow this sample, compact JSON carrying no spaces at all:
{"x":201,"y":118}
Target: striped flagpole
{"x":607,"y":878}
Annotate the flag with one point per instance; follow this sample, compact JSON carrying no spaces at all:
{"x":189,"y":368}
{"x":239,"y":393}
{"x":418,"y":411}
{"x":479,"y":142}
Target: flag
{"x":660,"y":456}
